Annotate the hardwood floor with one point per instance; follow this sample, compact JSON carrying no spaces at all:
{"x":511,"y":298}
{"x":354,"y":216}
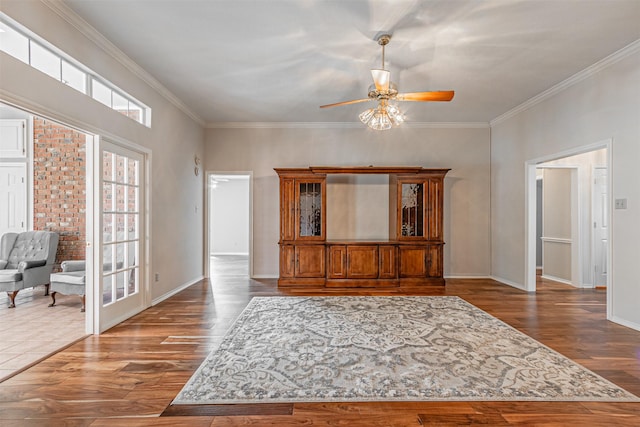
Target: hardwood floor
{"x":129,"y":375}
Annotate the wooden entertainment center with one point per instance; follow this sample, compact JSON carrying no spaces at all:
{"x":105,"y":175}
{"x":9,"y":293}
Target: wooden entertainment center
{"x":412,"y":256}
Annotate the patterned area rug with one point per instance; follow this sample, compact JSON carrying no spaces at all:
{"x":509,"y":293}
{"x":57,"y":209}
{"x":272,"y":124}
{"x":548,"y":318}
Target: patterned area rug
{"x":328,"y":349}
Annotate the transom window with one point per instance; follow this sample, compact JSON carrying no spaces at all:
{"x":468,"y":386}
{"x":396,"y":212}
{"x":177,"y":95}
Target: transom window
{"x":22,"y":44}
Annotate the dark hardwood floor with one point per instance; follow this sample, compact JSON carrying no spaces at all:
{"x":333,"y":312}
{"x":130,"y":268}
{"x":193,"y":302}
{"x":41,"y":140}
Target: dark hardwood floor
{"x":129,"y":375}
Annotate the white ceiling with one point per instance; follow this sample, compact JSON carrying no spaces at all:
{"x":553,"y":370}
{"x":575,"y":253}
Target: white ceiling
{"x":278,"y":61}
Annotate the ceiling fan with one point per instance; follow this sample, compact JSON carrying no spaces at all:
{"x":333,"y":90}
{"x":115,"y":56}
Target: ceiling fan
{"x":385,"y":92}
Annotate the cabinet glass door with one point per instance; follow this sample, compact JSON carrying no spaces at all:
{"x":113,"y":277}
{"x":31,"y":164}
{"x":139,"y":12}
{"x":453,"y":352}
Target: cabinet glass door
{"x":310,"y":209}
{"x":412,"y":210}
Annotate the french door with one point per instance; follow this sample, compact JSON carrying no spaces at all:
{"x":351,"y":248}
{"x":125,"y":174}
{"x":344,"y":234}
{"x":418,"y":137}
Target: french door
{"x":119,"y":227}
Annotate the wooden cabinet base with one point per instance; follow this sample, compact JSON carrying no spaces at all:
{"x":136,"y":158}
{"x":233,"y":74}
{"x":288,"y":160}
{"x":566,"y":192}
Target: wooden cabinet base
{"x":344,"y":265}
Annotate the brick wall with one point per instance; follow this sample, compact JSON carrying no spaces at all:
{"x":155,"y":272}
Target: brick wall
{"x":60,"y":186}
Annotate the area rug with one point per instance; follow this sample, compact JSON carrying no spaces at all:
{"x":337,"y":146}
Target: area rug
{"x":338,"y":349}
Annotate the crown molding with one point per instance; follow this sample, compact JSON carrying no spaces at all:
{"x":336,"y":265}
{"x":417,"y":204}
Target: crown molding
{"x":615,"y":57}
{"x":66,"y":13}
{"x":341,"y":125}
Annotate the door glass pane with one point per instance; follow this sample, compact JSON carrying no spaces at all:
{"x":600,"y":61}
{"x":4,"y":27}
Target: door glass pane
{"x":107,"y":259}
{"x":107,"y":290}
{"x":107,"y":166}
{"x":310,"y":209}
{"x":121,"y":281}
{"x":412,"y":209}
{"x":133,"y":281}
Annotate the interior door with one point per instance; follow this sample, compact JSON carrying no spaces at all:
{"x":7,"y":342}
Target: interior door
{"x":600,"y":226}
{"x":13,"y":198}
{"x":120,"y":259}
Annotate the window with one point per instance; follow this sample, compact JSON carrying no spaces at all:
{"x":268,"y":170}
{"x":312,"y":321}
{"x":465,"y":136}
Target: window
{"x":20,"y":43}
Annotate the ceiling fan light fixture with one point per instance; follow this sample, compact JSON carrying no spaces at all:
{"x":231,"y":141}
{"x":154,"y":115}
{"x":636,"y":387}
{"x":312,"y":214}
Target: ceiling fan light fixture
{"x":383,"y":117}
{"x":366,"y":115}
{"x":380,"y":120}
{"x":396,"y":116}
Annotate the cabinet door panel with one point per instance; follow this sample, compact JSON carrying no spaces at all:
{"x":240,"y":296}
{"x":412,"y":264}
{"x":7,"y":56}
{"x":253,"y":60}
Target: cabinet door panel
{"x":287,"y":209}
{"x":287,"y":261}
{"x":387,"y":269}
{"x":413,"y":261}
{"x":435,"y":261}
{"x":337,"y":259}
{"x":362,"y":262}
{"x":310,"y":261}
{"x":434,"y":209}
{"x":310,"y":209}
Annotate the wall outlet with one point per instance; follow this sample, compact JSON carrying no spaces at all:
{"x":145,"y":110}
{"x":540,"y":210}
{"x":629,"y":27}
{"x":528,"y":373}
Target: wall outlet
{"x":157,"y":277}
{"x":621,"y":203}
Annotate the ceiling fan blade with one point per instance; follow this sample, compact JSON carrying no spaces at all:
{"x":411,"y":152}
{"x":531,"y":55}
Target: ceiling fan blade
{"x":441,"y":95}
{"x":381,"y":78}
{"x":354,"y":101}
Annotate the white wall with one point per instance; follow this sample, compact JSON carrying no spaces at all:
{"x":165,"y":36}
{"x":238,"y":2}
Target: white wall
{"x":605,"y":105}
{"x":464,"y":150}
{"x":174,"y":138}
{"x":229,"y":207}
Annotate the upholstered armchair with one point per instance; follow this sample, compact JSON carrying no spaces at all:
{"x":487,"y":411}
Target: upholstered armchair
{"x":26,"y":260}
{"x":71,"y":281}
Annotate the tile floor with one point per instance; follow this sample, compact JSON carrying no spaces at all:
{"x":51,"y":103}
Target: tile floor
{"x":32,"y":330}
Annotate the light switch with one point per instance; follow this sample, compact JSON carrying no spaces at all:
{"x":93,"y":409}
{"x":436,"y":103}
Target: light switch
{"x":621,"y":203}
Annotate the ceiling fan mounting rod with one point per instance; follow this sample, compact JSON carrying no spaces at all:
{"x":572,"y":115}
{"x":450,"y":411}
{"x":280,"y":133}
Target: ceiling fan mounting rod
{"x":383,"y":40}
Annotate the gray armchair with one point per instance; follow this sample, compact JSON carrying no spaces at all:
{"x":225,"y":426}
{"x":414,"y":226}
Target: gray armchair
{"x":26,"y":260}
{"x":71,"y":281}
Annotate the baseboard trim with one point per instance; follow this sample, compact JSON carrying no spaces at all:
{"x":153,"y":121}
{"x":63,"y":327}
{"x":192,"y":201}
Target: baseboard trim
{"x":468,"y":277}
{"x":264,"y":276}
{"x":508,"y":282}
{"x":557,"y":279}
{"x":176,"y":290}
{"x":229,"y":253}
{"x":623,"y":322}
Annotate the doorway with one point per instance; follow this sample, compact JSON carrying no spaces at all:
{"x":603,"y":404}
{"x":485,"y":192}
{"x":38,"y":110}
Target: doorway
{"x":229,"y":222}
{"x":42,"y":187}
{"x":586,"y":248}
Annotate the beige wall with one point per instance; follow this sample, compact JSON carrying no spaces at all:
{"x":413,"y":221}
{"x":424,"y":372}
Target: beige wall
{"x":464,"y":150}
{"x":604,"y":106}
{"x":174,"y":139}
{"x":557,"y":236}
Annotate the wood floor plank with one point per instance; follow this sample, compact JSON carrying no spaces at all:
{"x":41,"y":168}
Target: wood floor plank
{"x":222,"y":410}
{"x":129,"y":375}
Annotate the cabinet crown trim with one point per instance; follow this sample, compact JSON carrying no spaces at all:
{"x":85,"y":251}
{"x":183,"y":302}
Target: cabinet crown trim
{"x":362,"y":170}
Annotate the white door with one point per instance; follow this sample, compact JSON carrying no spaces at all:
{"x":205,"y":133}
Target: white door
{"x":600,"y":226}
{"x":13,"y":197}
{"x":13,"y":138}
{"x":119,"y":264}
